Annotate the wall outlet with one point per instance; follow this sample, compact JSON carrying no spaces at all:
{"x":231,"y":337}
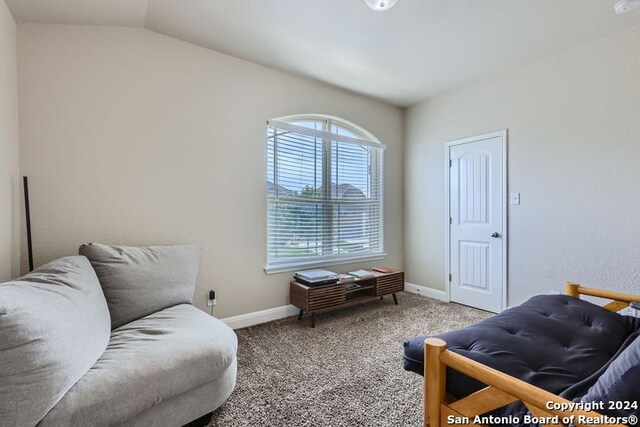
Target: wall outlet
{"x":211,"y":298}
{"x":514,"y":198}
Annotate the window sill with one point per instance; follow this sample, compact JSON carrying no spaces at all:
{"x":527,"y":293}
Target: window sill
{"x":322,"y":263}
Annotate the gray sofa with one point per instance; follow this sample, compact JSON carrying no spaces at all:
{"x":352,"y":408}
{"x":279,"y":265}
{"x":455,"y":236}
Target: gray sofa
{"x":110,"y":338}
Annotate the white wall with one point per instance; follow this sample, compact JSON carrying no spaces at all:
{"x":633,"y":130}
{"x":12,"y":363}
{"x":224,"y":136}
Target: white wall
{"x":574,"y":154}
{"x":9,"y":180}
{"x":131,"y":137}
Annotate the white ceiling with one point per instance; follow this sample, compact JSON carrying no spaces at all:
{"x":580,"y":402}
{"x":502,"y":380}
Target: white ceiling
{"x":416,"y":50}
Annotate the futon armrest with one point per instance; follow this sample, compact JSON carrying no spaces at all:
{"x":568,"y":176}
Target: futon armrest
{"x":501,"y":390}
{"x":619,"y":301}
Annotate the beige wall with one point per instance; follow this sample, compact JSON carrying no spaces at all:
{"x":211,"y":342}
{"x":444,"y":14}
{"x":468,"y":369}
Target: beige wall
{"x":574,"y":154}
{"x":131,"y":137}
{"x":9,"y":180}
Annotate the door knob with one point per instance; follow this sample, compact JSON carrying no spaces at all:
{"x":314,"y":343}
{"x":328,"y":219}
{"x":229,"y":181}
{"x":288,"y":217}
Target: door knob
{"x":495,"y":234}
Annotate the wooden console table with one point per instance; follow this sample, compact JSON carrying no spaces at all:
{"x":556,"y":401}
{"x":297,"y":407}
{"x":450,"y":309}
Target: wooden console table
{"x":315,"y":299}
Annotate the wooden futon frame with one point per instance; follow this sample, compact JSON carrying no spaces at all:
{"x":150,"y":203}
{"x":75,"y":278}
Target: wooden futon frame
{"x":502,"y":389}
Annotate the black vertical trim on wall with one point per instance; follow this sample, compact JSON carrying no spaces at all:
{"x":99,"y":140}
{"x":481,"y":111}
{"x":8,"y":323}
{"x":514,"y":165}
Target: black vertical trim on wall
{"x":27,"y":212}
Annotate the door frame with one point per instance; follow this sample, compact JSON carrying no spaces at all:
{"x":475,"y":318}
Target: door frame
{"x":503,"y":134}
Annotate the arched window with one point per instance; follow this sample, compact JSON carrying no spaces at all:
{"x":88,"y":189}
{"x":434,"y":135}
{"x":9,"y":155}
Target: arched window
{"x":324,"y":193}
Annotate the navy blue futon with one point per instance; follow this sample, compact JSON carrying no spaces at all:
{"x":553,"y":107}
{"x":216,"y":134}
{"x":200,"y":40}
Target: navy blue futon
{"x":555,"y":342}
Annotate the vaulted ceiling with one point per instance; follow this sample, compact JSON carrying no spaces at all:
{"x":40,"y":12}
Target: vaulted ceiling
{"x":416,"y":50}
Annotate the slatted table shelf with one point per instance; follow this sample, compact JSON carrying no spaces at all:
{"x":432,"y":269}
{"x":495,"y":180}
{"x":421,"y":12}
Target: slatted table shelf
{"x":316,"y":299}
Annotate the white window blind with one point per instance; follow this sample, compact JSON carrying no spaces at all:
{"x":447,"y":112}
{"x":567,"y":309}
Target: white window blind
{"x":324,"y":194}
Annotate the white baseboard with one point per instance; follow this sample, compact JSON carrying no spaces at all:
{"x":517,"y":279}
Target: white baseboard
{"x":426,"y":292}
{"x":262,"y":316}
{"x":270,"y":314}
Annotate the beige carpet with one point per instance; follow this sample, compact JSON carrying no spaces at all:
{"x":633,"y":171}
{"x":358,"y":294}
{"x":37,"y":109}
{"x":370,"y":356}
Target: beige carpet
{"x":345,"y":372}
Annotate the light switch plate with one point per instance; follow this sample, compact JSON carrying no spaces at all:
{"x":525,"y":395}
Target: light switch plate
{"x":514,"y":199}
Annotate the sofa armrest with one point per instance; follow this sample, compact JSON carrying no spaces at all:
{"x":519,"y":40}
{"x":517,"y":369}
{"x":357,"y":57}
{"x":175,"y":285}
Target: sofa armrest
{"x":501,"y":390}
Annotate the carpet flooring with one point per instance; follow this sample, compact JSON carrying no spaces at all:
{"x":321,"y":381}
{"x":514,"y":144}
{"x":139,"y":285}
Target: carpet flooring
{"x":345,"y":372}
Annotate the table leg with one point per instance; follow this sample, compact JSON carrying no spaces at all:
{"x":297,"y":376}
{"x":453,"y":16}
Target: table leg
{"x":313,"y":320}
{"x":395,"y":298}
{"x":300,"y":315}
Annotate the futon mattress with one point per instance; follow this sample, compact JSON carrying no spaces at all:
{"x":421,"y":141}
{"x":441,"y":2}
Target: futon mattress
{"x":555,"y":342}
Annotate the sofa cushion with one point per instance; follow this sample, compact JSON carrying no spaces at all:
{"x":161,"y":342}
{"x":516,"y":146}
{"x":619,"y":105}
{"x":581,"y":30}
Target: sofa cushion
{"x":619,"y":384}
{"x":551,"y":341}
{"x":54,"y":325}
{"x":140,"y":281}
{"x":147,"y":362}
{"x":182,"y":409}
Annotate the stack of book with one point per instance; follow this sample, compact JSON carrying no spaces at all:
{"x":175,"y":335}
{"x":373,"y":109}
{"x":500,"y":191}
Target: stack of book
{"x":344,"y":278}
{"x":362,"y":274}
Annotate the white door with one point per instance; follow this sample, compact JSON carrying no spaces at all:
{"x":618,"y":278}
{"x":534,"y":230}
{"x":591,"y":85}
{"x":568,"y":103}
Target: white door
{"x":477,"y":208}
